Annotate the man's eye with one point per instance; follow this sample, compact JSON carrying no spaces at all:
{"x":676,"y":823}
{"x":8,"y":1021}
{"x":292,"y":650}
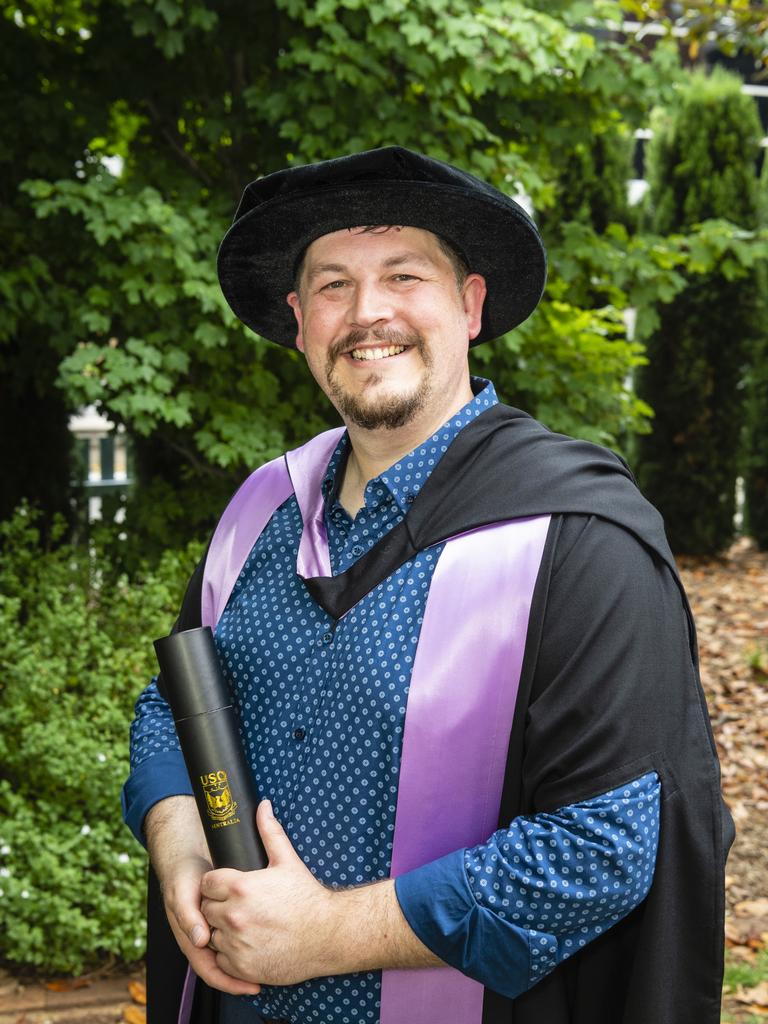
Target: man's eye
{"x":405,"y":277}
{"x":333,"y":285}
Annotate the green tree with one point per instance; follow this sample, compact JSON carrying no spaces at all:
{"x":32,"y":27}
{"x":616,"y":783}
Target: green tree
{"x":591,"y":182}
{"x":756,"y":432}
{"x":756,"y":445}
{"x":110,"y":279}
{"x":701,"y":165}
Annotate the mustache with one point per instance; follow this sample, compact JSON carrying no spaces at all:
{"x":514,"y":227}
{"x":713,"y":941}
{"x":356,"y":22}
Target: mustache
{"x":387,"y":335}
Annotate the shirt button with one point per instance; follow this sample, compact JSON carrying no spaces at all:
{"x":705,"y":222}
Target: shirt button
{"x":327,"y":638}
{"x":410,"y":498}
{"x":299,"y":734}
{"x":357,"y":550}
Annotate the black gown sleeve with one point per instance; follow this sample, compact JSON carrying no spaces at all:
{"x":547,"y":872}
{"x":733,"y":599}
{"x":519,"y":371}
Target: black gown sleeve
{"x":610,"y":691}
{"x":615,"y":678}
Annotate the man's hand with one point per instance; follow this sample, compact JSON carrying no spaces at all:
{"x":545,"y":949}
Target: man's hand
{"x":179,"y":856}
{"x":280,"y":926}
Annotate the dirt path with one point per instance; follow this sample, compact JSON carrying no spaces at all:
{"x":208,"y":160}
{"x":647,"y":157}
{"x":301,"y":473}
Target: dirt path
{"x":104,"y":997}
{"x":729,"y":597}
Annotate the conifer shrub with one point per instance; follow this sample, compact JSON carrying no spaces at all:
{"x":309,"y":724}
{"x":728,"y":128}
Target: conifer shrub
{"x":591,"y":182}
{"x":75,"y":651}
{"x":701,"y":165}
{"x":756,"y":431}
{"x":756,"y":448}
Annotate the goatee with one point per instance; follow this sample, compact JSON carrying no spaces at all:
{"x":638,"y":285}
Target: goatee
{"x":389,"y":411}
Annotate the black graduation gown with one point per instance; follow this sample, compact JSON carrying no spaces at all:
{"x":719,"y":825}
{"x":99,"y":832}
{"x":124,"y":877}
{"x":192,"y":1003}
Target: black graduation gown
{"x":573,"y":736}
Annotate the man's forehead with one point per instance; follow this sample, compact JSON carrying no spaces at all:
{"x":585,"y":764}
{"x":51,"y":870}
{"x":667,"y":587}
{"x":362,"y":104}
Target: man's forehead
{"x":350,"y":239}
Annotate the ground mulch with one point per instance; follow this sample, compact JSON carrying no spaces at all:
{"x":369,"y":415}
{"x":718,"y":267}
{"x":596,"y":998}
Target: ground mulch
{"x":111,"y":995}
{"x":729,"y":596}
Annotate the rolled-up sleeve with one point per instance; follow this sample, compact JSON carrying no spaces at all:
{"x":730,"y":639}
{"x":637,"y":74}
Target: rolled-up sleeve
{"x":509,"y":911}
{"x":157,"y":765}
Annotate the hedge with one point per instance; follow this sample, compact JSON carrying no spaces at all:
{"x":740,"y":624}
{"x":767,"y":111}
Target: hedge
{"x":75,"y":651}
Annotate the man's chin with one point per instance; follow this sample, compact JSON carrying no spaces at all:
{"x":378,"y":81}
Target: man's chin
{"x":385,"y":412}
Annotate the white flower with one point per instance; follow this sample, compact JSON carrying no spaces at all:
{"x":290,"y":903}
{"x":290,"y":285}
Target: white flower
{"x":123,"y":858}
{"x":24,"y":894}
{"x":138,"y":943}
{"x":4,"y":873}
{"x":85,"y":830}
{"x":101,"y":757}
{"x":5,"y":849}
{"x":2,"y":893}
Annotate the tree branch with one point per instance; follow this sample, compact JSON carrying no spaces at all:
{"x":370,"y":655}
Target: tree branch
{"x":175,"y":142}
{"x":197,"y":463}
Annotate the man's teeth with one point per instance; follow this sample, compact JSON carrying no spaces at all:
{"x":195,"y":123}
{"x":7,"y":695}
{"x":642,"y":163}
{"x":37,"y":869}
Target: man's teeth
{"x":377,"y":353}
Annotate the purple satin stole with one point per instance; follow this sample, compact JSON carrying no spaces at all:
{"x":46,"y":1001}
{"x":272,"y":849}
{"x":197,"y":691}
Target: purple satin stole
{"x":252,"y":507}
{"x":461,"y":699}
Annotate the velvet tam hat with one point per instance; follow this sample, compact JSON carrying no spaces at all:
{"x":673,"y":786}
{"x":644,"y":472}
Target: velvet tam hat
{"x":282,"y":213}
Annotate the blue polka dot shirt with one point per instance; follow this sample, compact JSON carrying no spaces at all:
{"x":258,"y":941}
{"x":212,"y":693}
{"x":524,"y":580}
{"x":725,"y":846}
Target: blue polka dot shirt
{"x":322,"y":709}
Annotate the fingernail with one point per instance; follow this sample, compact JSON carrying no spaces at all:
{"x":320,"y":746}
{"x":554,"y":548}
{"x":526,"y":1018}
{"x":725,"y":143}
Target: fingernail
{"x":197,"y":931}
{"x":270,"y":812}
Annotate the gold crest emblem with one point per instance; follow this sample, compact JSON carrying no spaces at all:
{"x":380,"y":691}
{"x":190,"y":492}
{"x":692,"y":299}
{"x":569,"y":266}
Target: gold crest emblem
{"x":218,"y":795}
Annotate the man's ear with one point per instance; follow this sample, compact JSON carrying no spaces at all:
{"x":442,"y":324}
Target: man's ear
{"x":293,"y":301}
{"x":473,"y":294}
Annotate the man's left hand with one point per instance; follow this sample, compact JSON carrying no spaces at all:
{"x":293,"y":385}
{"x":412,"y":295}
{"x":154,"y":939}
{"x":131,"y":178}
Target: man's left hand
{"x":280,"y":925}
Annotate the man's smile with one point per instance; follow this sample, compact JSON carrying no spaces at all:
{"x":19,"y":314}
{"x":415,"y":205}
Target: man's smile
{"x":378,"y":352}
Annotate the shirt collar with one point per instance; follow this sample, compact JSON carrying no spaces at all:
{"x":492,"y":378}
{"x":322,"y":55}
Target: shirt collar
{"x":403,"y":481}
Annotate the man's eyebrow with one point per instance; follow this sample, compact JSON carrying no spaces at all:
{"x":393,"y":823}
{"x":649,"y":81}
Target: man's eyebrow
{"x":389,"y":263}
{"x":325,"y":268}
{"x":408,"y":257}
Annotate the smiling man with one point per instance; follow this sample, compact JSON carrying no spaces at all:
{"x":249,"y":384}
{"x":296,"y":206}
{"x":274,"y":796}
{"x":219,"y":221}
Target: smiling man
{"x":384,"y":317}
{"x":463,"y":661}
{"x":374,"y":294}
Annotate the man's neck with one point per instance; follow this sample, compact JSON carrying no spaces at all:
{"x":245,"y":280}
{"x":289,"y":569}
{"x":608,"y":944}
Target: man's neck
{"x":374,"y":451}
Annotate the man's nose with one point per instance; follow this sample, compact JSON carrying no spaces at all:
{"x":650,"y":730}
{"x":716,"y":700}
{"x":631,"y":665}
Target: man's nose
{"x":371,"y":305}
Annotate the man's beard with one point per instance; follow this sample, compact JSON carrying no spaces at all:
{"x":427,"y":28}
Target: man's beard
{"x":390,"y":411}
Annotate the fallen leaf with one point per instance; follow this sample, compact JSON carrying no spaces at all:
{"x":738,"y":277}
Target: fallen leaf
{"x":752,"y":908}
{"x":745,"y":931}
{"x":134,"y":1015}
{"x":138,"y":991}
{"x":742,"y":953}
{"x":757,"y":996}
{"x":67,"y":984}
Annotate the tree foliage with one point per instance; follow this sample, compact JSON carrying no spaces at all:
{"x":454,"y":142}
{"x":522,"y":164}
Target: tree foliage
{"x":756,"y":446}
{"x":756,"y":432}
{"x":732,"y":26}
{"x":136,"y":124}
{"x":75,"y":649}
{"x":701,"y":165}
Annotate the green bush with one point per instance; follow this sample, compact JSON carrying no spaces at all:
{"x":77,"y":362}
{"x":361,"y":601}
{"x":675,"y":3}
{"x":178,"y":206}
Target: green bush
{"x":756,"y":432}
{"x":702,"y":163}
{"x":75,"y":651}
{"x":591,"y":182}
{"x":756,"y":447}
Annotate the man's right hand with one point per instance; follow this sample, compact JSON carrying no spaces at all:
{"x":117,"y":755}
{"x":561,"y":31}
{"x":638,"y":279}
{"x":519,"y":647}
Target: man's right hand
{"x":179,"y":855}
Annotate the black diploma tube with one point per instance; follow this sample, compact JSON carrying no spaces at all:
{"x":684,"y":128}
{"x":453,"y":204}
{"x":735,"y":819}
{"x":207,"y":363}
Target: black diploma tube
{"x":194,"y":686}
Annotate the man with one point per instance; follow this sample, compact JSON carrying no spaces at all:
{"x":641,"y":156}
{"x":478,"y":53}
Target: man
{"x":463,"y":661}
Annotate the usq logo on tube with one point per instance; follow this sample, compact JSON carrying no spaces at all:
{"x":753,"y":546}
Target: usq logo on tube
{"x":218,"y":796}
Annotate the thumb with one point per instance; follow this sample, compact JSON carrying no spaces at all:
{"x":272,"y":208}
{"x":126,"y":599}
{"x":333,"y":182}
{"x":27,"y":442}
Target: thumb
{"x":200,"y":933}
{"x":185,"y":907}
{"x":276,"y":842}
